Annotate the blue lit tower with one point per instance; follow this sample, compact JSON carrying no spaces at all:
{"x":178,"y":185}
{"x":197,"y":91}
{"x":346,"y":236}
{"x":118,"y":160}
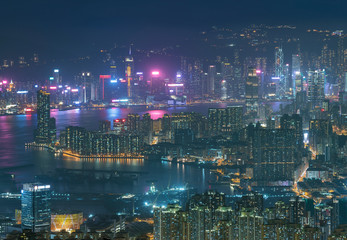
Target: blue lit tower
{"x":36,"y":211}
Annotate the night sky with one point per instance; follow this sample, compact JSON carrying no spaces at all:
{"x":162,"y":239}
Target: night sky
{"x":75,"y":25}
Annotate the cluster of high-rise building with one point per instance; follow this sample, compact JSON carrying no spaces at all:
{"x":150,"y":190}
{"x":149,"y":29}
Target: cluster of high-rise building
{"x":82,"y":142}
{"x":206,"y":216}
{"x":296,"y":151}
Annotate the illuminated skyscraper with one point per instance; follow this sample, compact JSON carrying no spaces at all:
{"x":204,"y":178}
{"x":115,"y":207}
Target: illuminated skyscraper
{"x":340,"y":53}
{"x":196,"y":84}
{"x":279,"y":73}
{"x":103,"y":93}
{"x":57,"y":77}
{"x":227,"y":75}
{"x":36,"y":211}
{"x":316,"y":82}
{"x":297,"y":82}
{"x":211,"y":79}
{"x":251,"y":91}
{"x":129,"y":72}
{"x":239,"y":86}
{"x":295,"y":71}
{"x":157,"y":86}
{"x":42,"y":132}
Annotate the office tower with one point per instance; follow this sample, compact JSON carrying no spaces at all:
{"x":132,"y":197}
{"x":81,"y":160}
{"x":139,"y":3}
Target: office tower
{"x":167,"y":222}
{"x":249,"y":225}
{"x":104,"y":126}
{"x":196,"y":83}
{"x":211,"y":79}
{"x":316,"y":83}
{"x":294,"y":122}
{"x":296,"y":70}
{"x":103,"y":90}
{"x":87,"y":82}
{"x":157,"y":84}
{"x":113,"y":69}
{"x":340,"y":54}
{"x":56,"y":78}
{"x":184,"y":68}
{"x":298,"y":85}
{"x":146,"y":128}
{"x":239,"y":89}
{"x":129,"y":72}
{"x":45,"y":127}
{"x":204,"y":80}
{"x":36,"y":211}
{"x":223,"y":91}
{"x":52,"y":130}
{"x":252,"y":92}
{"x":274,"y":156}
{"x":287,"y":80}
{"x":279,"y":73}
{"x":225,"y":120}
{"x":227,"y":75}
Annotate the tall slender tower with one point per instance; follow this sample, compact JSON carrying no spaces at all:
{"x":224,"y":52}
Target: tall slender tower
{"x":129,"y":70}
{"x":43,"y":116}
{"x":251,"y":91}
{"x":316,"y":82}
{"x":340,"y":53}
{"x":279,"y":73}
{"x":211,"y":79}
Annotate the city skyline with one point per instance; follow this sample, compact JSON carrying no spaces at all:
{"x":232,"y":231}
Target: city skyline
{"x":161,"y":120}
